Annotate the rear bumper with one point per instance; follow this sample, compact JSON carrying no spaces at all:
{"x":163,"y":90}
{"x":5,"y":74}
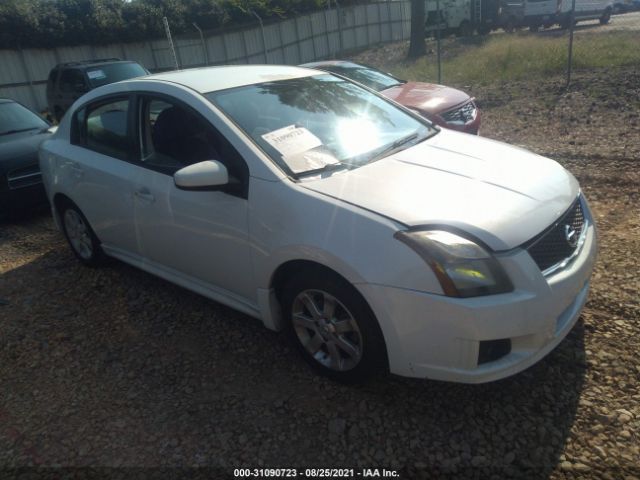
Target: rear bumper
{"x":438,"y":337}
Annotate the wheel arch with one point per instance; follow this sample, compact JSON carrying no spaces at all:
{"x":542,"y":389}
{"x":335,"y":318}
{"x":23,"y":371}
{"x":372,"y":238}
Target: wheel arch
{"x":292,"y":267}
{"x":270,"y":291}
{"x":59,"y":201}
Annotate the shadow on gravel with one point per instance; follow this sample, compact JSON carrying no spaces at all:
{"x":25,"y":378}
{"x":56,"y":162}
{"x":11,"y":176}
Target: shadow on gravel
{"x":22,"y":219}
{"x":114,"y":367}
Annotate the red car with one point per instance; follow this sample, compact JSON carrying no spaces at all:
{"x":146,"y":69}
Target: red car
{"x":444,"y":106}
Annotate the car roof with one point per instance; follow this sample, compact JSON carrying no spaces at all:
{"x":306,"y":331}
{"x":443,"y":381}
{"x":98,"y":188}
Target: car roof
{"x":210,"y":79}
{"x":92,"y":63}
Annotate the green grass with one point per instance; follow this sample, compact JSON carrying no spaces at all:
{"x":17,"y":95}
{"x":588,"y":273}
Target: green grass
{"x":517,"y":57}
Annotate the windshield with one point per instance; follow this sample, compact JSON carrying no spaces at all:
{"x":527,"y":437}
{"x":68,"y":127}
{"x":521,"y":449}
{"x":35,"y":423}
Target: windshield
{"x":311,"y":123}
{"x":370,"y":77}
{"x":15,"y":118}
{"x":113,"y":72}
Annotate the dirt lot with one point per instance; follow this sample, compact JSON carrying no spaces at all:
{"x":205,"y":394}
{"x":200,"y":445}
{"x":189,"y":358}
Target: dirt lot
{"x":114,"y":368}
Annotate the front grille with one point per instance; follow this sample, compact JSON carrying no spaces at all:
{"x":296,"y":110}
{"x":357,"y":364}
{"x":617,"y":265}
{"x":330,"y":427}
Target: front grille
{"x":24,"y":177}
{"x":461,"y":115}
{"x":560,"y":241}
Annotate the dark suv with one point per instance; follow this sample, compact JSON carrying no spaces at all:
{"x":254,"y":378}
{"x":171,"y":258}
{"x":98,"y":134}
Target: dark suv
{"x":68,"y":81}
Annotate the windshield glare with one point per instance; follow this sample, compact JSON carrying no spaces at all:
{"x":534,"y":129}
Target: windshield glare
{"x":114,"y":72}
{"x":306,"y":124}
{"x":15,"y":117}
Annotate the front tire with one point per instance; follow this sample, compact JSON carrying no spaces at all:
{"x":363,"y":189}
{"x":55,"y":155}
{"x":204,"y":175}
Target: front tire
{"x":80,"y":236}
{"x":333,"y":327}
{"x":606,"y":16}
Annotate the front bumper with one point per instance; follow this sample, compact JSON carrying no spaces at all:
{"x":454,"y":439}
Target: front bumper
{"x":438,"y":337}
{"x":472,"y":126}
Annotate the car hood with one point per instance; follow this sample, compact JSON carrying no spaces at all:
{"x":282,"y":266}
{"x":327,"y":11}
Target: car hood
{"x":426,"y":97}
{"x":20,"y":150}
{"x":501,"y":194}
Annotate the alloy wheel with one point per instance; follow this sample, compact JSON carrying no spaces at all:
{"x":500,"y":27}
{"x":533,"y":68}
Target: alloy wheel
{"x":78,"y":234}
{"x":327,"y":330}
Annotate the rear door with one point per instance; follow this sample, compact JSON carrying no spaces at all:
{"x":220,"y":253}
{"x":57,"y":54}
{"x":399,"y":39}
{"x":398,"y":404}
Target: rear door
{"x":100,"y":169}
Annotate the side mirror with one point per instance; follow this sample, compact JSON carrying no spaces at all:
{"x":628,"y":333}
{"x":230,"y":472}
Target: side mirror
{"x":207,"y":175}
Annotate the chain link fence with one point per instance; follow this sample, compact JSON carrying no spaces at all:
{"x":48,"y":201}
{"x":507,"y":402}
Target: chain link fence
{"x":483,"y":40}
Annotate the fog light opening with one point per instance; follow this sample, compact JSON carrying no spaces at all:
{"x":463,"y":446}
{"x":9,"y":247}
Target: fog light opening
{"x":492,"y":350}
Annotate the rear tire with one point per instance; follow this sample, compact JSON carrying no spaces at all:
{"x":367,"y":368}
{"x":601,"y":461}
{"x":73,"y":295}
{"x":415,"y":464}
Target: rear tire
{"x":333,"y":327}
{"x":80,"y":236}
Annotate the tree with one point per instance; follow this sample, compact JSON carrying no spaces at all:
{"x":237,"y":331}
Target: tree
{"x":416,"y":44}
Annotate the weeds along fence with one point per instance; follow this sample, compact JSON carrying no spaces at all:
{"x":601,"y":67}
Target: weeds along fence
{"x":324,"y":34}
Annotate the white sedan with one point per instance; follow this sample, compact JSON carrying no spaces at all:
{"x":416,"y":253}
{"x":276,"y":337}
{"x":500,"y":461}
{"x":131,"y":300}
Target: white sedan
{"x":379,"y":241}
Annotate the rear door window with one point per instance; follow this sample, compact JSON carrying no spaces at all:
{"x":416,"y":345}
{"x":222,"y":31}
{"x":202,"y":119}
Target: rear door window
{"x":106,"y":128}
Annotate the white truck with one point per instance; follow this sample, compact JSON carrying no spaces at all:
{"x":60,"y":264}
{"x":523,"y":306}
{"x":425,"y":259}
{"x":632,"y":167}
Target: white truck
{"x":545,"y":13}
{"x":463,"y":17}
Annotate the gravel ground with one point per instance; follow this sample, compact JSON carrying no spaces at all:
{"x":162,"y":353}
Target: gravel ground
{"x":111,"y":367}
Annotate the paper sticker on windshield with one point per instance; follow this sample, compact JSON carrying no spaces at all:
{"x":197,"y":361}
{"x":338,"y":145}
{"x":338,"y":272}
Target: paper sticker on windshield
{"x":96,"y":75}
{"x":291,"y":140}
{"x":310,"y":160}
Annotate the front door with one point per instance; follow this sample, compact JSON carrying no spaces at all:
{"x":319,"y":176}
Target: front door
{"x":203,"y":235}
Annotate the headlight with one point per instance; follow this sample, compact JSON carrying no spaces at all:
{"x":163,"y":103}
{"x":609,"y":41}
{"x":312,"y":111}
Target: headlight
{"x":463,"y":268}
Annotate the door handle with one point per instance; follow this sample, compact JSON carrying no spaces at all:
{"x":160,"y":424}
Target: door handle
{"x":145,"y":195}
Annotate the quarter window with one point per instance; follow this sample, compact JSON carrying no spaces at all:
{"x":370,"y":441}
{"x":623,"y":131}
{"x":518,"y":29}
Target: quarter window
{"x":106,"y":128}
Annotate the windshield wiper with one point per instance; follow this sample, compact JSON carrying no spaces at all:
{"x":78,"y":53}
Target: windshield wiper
{"x":327,"y":168}
{"x":18,"y":130}
{"x":392,"y":148}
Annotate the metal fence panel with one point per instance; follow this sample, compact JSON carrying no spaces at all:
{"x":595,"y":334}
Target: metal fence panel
{"x":253,"y":41}
{"x":373,"y":24}
{"x":12,"y":70}
{"x":141,"y":53}
{"x":190,"y":53}
{"x":216,"y":48}
{"x":292,"y":54}
{"x":306,"y":38}
{"x":236,"y":47}
{"x":74,"y":54}
{"x":39,"y":63}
